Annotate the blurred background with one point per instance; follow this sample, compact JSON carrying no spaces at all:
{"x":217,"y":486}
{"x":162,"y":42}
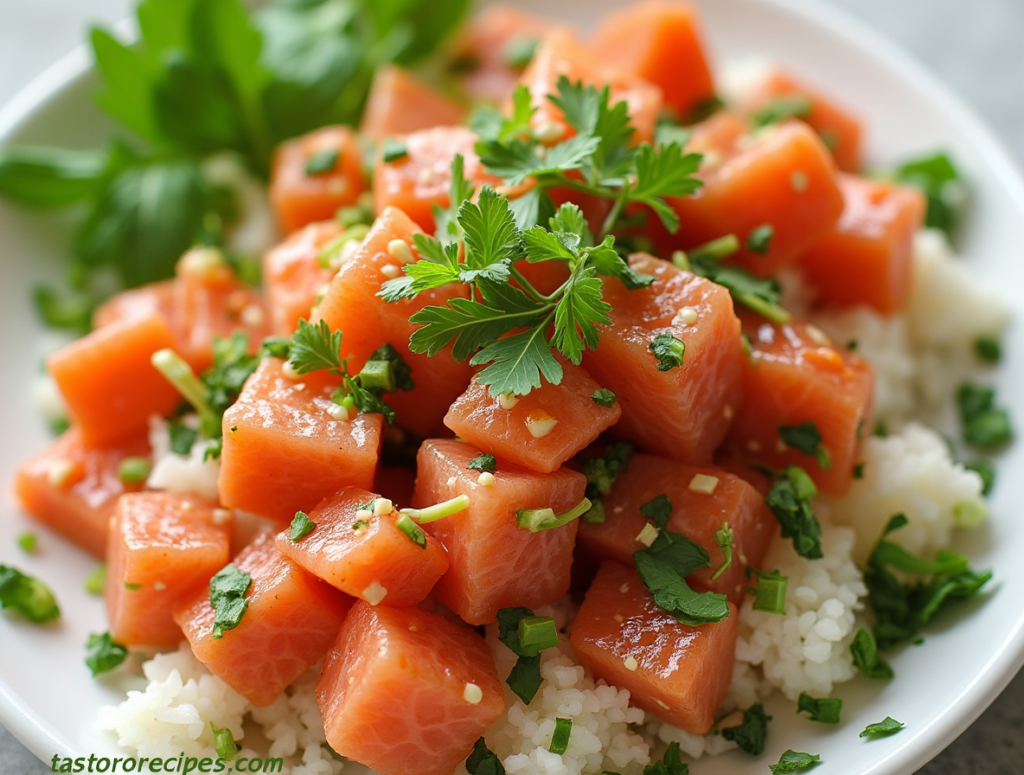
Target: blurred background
{"x":973,"y":46}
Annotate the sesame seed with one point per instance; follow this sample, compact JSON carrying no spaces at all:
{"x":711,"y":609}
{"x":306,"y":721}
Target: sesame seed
{"x":399,"y":249}
{"x":799,"y":181}
{"x":549,"y":131}
{"x":252,"y":315}
{"x":363,"y":514}
{"x":159,"y":586}
{"x":647,"y":535}
{"x":630,"y":663}
{"x":472,"y":694}
{"x":390,"y":271}
{"x":221,"y":516}
{"x":486,"y":479}
{"x":540,"y":424}
{"x":374,"y":593}
{"x":508,"y":400}
{"x":337,"y":411}
{"x":382,"y":507}
{"x":288,"y":372}
{"x":703,"y":483}
{"x":727,"y":412}
{"x":624,"y":588}
{"x":60,"y":473}
{"x":686,"y":316}
{"x":618,"y":509}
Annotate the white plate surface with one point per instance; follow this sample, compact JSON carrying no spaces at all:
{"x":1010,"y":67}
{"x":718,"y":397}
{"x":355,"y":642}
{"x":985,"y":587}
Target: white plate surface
{"x":47,"y":698}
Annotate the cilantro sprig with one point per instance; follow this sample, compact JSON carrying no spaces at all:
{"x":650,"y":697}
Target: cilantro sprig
{"x":664,"y":567}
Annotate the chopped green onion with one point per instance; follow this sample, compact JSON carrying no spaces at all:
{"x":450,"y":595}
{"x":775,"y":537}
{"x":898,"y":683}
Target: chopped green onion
{"x":322,"y":161}
{"x":132,"y":587}
{"x":889,"y":726}
{"x":28,"y":542}
{"x":103,"y":653}
{"x":302,"y":526}
{"x":595,"y":515}
{"x":560,"y":737}
{"x":378,"y":375}
{"x":771,"y":592}
{"x":393,"y":150}
{"x":96,"y":582}
{"x":538,"y":632}
{"x":669,"y":350}
{"x":224,"y":742}
{"x":760,"y":239}
{"x":604,"y":397}
{"x":825,"y":710}
{"x":536,"y":520}
{"x":716,"y":249}
{"x":439,"y":510}
{"x":413,"y":531}
{"x":484,"y":462}
{"x":177,"y":371}
{"x":724,"y":537}
{"x":134,"y":470}
{"x":330,"y":258}
{"x":27,"y":595}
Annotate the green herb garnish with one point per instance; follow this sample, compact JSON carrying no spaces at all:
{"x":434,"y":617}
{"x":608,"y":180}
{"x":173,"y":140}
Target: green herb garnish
{"x":604,"y":397}
{"x":941,"y":183}
{"x":671,"y":763}
{"x":781,"y":109}
{"x":393,"y":150}
{"x":806,"y":438}
{"x":760,"y":239}
{"x":560,"y":736}
{"x":96,"y":582}
{"x":669,"y":350}
{"x":762,"y":295}
{"x":525,"y":679}
{"x":301,"y":526}
{"x":724,"y":537}
{"x":825,"y":710}
{"x":790,"y":501}
{"x":224,"y":742}
{"x":483,"y":761}
{"x":322,"y":161}
{"x":519,"y":51}
{"x":134,"y":470}
{"x":228,"y":590}
{"x":412,"y":531}
{"x":27,"y":595}
{"x":985,"y":425}
{"x":986,"y":471}
{"x":889,"y":726}
{"x":771,"y":591}
{"x":484,"y":462}
{"x":865,"y":656}
{"x":538,"y":632}
{"x":536,"y":520}
{"x":664,"y":567}
{"x":988,"y":349}
{"x":103,"y":653}
{"x":29,"y":542}
{"x":658,"y":510}
{"x":751,"y":734}
{"x":794,"y":761}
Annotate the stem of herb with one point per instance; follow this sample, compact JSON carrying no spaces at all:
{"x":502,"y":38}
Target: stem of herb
{"x":438,"y":510}
{"x":180,"y":375}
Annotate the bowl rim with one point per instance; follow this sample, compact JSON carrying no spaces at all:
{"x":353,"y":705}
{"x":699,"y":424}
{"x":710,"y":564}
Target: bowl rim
{"x":69,"y":72}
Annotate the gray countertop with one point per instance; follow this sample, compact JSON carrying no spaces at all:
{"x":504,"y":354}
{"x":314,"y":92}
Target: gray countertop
{"x":973,"y":46}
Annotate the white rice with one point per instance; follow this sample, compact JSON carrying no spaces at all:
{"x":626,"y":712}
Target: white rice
{"x":181,"y":473}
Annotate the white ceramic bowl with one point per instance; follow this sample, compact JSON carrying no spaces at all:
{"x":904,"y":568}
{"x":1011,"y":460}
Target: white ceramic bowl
{"x":49,"y":701}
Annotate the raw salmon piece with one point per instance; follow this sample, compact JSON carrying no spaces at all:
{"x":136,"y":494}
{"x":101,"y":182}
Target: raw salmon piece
{"x":72,"y":487}
{"x":839,"y":127}
{"x":683,"y":413}
{"x":561,"y":53}
{"x":696,"y":513}
{"x":782,"y":176}
{"x":368,"y":322}
{"x":677,"y":672}
{"x":291,"y":621}
{"x":406,"y":692}
{"x":371,"y":559}
{"x":796,"y":375}
{"x":134,"y":303}
{"x":283,"y":451}
{"x":161,"y":547}
{"x":422,"y":178}
{"x":867,"y":258}
{"x":299,"y":196}
{"x":494,"y":563}
{"x":541,"y":430}
{"x":400,"y":103}
{"x":110,"y":386}
{"x":486,"y":45}
{"x":660,"y":42}
{"x":293,"y":277}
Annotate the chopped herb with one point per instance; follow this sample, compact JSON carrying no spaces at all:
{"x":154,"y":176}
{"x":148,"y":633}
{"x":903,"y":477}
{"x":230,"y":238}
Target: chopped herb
{"x":536,"y":520}
{"x":603,"y":397}
{"x":182,"y":437}
{"x":940,"y":181}
{"x":484,"y":462}
{"x":333,"y":754}
{"x":103,"y":653}
{"x":413,"y":531}
{"x":762,"y":295}
{"x":315,"y":348}
{"x":724,"y":537}
{"x":671,"y":763}
{"x":96,"y":582}
{"x":889,"y":726}
{"x":483,"y":761}
{"x":519,"y":51}
{"x":794,"y":761}
{"x":658,"y":510}
{"x":601,"y":472}
{"x":986,"y":471}
{"x":985,"y":425}
{"x":715,"y":250}
{"x":378,"y":375}
{"x":825,"y":710}
{"x":322,"y":161}
{"x":858,"y":470}
{"x":302,"y":526}
{"x":880,"y":430}
{"x":58,"y":425}
{"x":751,"y":734}
{"x":664,"y":567}
{"x":851,"y":346}
{"x":771,"y":591}
{"x":228,"y":590}
{"x":781,"y":109}
{"x":27,"y":595}
{"x":560,"y":737}
{"x":525,"y":679}
{"x":669,"y":351}
{"x":595,"y":515}
{"x":865,"y":656}
{"x":439,"y":510}
{"x":399,"y":368}
{"x":28,"y":542}
{"x":224,"y":742}
{"x":790,"y":501}
{"x":360,"y":524}
{"x":988,"y":349}
{"x":134,"y":470}
{"x":538,"y":632}
{"x":806,"y":438}
{"x":760,"y":239}
{"x":393,"y":150}
{"x":131,"y":587}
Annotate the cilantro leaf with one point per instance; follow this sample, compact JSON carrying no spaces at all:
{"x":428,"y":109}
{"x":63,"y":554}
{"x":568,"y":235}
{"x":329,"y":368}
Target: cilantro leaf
{"x":483,"y":462}
{"x":865,"y":656}
{"x":658,"y":510}
{"x":446,"y":220}
{"x":27,"y":595}
{"x":228,"y":589}
{"x":604,"y":397}
{"x":671,"y":763}
{"x":943,"y":186}
{"x":103,"y":653}
{"x":518,"y":362}
{"x":751,"y":734}
{"x":984,"y":424}
{"x":491,"y":236}
{"x":669,"y":351}
{"x":790,"y":501}
{"x":315,"y":348}
{"x":825,"y":710}
{"x":483,"y":761}
{"x":578,"y":313}
{"x":301,"y":526}
{"x":884,"y":728}
{"x":806,"y":438}
{"x":662,"y":173}
{"x":664,"y":567}
{"x":794,"y":761}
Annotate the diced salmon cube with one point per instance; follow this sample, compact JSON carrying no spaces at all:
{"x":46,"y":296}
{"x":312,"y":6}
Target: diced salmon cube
{"x":406,"y":692}
{"x":539,"y":431}
{"x":72,"y":487}
{"x":782,"y":177}
{"x":660,"y":42}
{"x":291,"y":620}
{"x":494,"y":563}
{"x":108,"y":382}
{"x":838,"y":127}
{"x":795,"y":375}
{"x":143,"y":302}
{"x":685,"y":412}
{"x":400,"y":103}
{"x":561,"y":53}
{"x":867,"y":258}
{"x":161,"y":547}
{"x":284,"y":451}
{"x":677,"y":672}
{"x":368,"y":322}
{"x":302,"y":195}
{"x":366,"y":556}
{"x":703,"y":499}
{"x":293,"y":277}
